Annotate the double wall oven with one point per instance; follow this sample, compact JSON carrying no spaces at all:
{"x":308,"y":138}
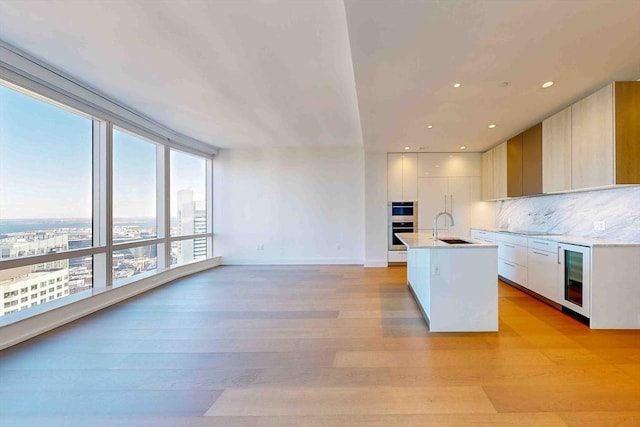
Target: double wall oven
{"x":403,"y":218}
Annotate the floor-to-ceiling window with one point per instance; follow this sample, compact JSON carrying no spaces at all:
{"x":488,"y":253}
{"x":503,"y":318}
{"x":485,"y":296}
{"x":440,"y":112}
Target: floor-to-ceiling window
{"x":86,"y":204}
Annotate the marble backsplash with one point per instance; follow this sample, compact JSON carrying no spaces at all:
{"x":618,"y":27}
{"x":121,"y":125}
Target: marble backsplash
{"x":575,"y":213}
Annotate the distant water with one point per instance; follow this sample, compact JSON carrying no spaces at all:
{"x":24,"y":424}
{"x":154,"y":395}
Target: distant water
{"x":18,"y":225}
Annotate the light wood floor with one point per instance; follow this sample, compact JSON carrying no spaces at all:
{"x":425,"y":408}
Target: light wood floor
{"x":316,"y":346}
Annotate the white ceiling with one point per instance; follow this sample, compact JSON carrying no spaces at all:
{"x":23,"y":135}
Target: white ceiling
{"x":281,"y":72}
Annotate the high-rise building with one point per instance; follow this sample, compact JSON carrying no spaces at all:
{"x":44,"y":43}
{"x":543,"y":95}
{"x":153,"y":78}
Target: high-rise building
{"x":28,"y":286}
{"x":192,"y":219}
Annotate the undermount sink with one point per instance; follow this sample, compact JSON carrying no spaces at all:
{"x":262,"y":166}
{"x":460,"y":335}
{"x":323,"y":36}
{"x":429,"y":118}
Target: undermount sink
{"x":456,"y":241}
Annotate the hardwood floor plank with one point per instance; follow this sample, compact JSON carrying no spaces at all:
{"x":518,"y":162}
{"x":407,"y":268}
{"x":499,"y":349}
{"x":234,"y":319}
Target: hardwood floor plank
{"x":350,"y":400}
{"x":321,"y":346}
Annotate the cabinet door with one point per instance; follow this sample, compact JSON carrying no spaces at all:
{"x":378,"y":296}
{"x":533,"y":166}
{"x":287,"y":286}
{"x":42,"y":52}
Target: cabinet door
{"x":556,"y":152}
{"x":432,"y":198}
{"x":410,"y":177}
{"x":592,"y":140}
{"x":532,"y":160}
{"x":432,"y":164}
{"x":459,"y":204}
{"x":487,"y":175}
{"x":627,"y":131}
{"x":542,"y":274}
{"x":514,"y":166}
{"x":500,"y":171}
{"x":394,"y":177}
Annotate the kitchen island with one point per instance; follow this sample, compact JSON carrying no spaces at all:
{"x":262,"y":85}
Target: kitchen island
{"x":455,"y":284}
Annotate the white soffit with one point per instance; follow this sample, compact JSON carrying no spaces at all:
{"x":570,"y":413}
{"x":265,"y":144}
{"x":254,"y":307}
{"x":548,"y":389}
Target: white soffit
{"x":228,"y":73}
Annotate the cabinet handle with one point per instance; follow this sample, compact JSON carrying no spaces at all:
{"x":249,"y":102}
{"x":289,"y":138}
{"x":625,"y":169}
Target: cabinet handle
{"x":509,"y":246}
{"x":509,"y":264}
{"x":540,"y":253}
{"x":558,"y":254}
{"x":541,"y":243}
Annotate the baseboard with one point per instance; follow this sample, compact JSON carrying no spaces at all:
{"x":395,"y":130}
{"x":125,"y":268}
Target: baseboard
{"x":290,"y":261}
{"x":30,"y":327}
{"x":373,"y":263}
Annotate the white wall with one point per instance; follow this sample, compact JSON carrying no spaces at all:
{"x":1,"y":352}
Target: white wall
{"x":376,"y":210}
{"x":302,"y":205}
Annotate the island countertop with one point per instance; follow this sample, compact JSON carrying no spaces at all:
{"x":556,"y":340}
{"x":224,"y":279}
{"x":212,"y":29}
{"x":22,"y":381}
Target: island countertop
{"x":425,"y":240}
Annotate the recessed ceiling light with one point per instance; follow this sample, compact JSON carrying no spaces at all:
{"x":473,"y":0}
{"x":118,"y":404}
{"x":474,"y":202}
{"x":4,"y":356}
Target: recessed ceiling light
{"x":491,"y":126}
{"x":430,"y":127}
{"x":406,"y":148}
{"x":547,"y":84}
{"x":457,"y":85}
{"x":463,"y":147}
{"x":423,"y":148}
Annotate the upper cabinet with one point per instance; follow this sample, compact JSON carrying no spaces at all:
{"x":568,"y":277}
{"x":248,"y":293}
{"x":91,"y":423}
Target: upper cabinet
{"x":593,"y":143}
{"x":532,"y":160}
{"x":514,"y":166}
{"x":494,"y":173}
{"x":524,"y":163}
{"x":592,"y":140}
{"x":605,"y":137}
{"x":402,"y":177}
{"x":448,"y":164}
{"x":486,"y":169}
{"x":500,"y":171}
{"x":556,"y":152}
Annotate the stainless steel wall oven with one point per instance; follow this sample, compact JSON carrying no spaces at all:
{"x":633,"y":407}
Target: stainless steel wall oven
{"x":403,"y":218}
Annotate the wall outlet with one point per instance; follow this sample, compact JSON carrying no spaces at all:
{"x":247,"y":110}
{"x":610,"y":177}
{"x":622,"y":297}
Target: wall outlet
{"x":338,"y":246}
{"x":436,"y":270}
{"x":508,"y":221}
{"x":599,"y":226}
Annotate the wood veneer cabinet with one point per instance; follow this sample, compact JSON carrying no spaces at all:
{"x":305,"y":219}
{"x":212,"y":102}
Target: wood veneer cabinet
{"x":500,"y":171}
{"x":494,"y":173}
{"x":556,"y":152}
{"x":532,"y":160}
{"x":605,"y":137}
{"x":486,"y":168}
{"x":514,"y":166}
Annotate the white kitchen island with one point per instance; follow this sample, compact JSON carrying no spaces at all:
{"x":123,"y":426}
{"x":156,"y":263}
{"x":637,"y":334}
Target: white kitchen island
{"x":455,"y":285}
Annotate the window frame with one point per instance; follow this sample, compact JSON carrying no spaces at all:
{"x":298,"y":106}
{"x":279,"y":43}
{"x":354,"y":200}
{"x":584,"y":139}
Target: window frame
{"x":103,"y":248}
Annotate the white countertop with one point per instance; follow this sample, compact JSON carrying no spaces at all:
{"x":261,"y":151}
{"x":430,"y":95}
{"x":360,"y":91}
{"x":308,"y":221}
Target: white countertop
{"x":562,"y":238}
{"x":425,"y":240}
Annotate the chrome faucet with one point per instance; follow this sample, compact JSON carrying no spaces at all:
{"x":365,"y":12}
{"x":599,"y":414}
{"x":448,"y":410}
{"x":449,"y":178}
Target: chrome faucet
{"x":435,"y":223}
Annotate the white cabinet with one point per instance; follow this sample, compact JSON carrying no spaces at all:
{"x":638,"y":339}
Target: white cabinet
{"x":556,"y":152}
{"x":432,"y":198}
{"x":402,"y":177}
{"x":512,"y":257}
{"x":483,"y":235}
{"x":447,"y":194}
{"x":542,"y":269}
{"x":448,"y":164}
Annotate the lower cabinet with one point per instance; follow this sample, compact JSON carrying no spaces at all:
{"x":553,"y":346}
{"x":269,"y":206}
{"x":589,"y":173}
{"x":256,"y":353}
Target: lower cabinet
{"x":512,"y":257}
{"x":512,"y":271}
{"x":542,"y":274}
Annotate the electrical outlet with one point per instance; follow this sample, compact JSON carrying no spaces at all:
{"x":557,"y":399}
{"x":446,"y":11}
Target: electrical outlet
{"x":508,"y":221}
{"x":338,"y":246}
{"x":436,"y":270}
{"x":599,"y":226}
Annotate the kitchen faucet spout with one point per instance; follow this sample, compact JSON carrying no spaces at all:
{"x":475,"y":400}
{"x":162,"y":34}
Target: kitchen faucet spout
{"x":435,"y":223}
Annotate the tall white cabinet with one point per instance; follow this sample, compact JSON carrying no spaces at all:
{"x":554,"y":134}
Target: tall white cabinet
{"x":448,"y":183}
{"x":402,"y":177}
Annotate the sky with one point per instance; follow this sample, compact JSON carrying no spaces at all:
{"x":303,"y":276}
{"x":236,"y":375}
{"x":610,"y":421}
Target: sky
{"x":46,"y":164}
